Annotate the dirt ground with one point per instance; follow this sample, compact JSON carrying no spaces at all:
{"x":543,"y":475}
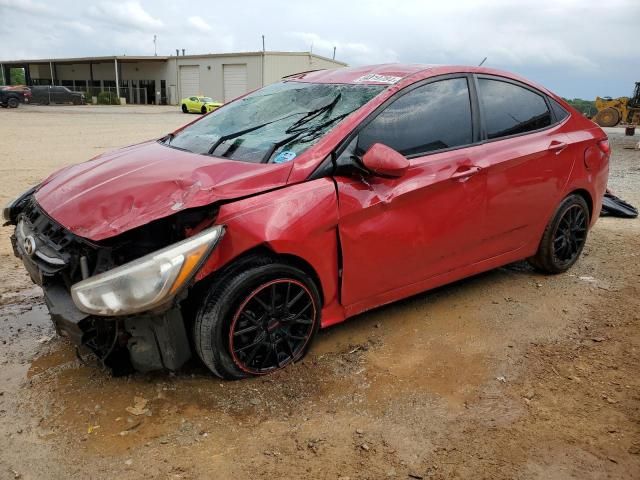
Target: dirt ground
{"x":509,"y":374}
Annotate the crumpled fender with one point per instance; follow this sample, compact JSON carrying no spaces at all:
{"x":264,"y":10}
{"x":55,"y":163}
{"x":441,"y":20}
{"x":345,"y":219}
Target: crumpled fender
{"x":300,"y":220}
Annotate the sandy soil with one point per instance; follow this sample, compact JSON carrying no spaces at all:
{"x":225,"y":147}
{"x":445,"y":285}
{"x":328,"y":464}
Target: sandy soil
{"x":509,"y":374}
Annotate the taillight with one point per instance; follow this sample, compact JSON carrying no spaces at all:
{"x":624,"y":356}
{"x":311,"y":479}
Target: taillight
{"x":604,"y":146}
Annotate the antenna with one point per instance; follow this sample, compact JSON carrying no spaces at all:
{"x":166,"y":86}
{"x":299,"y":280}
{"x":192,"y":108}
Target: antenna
{"x":155,"y":45}
{"x":483,"y":60}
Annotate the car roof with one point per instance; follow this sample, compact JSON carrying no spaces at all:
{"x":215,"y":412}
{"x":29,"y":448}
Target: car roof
{"x":391,"y":73}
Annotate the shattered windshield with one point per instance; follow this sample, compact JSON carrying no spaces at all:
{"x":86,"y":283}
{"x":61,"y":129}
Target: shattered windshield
{"x":274,"y":124}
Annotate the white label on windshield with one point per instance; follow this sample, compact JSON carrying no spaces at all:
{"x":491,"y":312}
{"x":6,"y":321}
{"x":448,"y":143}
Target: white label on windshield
{"x":284,"y":156}
{"x":374,"y":77}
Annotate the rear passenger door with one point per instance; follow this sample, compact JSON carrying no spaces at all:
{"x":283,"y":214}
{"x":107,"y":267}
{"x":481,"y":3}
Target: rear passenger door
{"x":397,"y":232}
{"x":528,"y":162}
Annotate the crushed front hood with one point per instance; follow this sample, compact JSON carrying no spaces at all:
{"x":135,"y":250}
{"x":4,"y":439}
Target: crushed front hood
{"x":130,"y":187}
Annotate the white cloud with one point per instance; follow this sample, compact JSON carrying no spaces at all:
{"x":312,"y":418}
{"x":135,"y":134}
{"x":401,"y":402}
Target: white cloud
{"x":357,"y":52}
{"x":125,"y":14}
{"x":199,"y":24}
{"x":553,"y":42}
{"x":27,"y":6}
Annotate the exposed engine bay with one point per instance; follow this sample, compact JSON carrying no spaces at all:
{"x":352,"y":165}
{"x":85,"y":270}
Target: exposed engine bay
{"x":56,"y":259}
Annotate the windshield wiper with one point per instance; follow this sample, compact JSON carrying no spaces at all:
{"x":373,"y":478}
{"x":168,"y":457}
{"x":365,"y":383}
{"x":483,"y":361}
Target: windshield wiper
{"x":306,"y":134}
{"x":233,"y":135}
{"x":312,"y":115}
{"x":295,"y":128}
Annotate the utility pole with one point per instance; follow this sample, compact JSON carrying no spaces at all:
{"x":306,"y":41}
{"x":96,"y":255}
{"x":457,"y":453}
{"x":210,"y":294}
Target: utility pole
{"x":334,"y":53}
{"x":263,"y":43}
{"x":155,"y":45}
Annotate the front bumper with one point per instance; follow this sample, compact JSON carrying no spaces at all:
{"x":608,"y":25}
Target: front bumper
{"x":150,"y":341}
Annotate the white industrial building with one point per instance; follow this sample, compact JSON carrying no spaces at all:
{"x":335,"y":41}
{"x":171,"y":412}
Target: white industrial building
{"x":167,"y":79}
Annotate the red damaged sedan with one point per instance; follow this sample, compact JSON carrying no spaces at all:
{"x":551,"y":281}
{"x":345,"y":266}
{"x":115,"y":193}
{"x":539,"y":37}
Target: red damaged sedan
{"x":302,"y":204}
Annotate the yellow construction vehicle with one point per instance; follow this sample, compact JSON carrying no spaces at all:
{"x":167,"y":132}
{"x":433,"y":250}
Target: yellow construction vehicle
{"x":612,"y":111}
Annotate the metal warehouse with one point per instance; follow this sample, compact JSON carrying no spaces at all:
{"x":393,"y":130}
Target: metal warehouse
{"x":167,"y":79}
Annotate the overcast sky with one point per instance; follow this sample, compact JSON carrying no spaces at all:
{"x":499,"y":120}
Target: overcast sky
{"x":576,"y":48}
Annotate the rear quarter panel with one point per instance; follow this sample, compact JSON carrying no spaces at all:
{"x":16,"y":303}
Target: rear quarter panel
{"x":593,"y":179}
{"x":584,"y":136}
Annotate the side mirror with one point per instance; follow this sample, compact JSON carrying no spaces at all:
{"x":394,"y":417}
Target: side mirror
{"x":384,"y":161}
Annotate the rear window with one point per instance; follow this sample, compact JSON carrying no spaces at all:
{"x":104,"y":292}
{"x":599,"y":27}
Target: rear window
{"x":559,"y":112}
{"x":510,"y":109}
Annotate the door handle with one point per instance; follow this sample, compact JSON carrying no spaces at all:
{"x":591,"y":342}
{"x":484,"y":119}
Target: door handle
{"x":557,"y":146}
{"x":465,"y":172}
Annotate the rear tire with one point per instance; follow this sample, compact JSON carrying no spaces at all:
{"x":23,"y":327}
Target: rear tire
{"x":13,"y":102}
{"x":564,"y":237}
{"x":184,"y":109}
{"x":257,"y":319}
{"x":609,"y":117}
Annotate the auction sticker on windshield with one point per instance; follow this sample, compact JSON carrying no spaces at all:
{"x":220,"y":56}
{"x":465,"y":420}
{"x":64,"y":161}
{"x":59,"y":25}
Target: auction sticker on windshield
{"x":373,"y":77}
{"x":284,"y":156}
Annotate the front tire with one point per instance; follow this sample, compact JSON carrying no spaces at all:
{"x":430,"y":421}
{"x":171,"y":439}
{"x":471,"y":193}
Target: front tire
{"x":203,"y":110}
{"x":13,"y":103}
{"x":564,"y":237}
{"x":184,"y":109}
{"x":258,"y":319}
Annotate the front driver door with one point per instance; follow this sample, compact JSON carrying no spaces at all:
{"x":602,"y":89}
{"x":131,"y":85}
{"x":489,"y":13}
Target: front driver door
{"x":397,"y":233}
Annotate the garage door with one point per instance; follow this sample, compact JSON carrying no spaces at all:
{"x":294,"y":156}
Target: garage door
{"x":235,"y":81}
{"x":189,"y":80}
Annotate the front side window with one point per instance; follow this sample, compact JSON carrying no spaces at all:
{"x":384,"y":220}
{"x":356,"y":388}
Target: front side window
{"x":432,"y":117}
{"x":274,"y":124}
{"x":509,"y":109}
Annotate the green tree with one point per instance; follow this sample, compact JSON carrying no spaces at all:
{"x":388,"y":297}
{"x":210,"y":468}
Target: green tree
{"x":587,"y":107}
{"x":16,"y":76}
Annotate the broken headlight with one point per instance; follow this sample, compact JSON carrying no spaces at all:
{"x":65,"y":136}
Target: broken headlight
{"x":147,"y":282}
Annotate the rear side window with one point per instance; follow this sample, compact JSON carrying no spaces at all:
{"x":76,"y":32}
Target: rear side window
{"x":431,"y":117}
{"x":509,"y":109}
{"x":559,"y":112}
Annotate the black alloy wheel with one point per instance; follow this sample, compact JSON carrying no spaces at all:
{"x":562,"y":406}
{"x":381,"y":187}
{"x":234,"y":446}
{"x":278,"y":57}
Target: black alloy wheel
{"x":570,"y":235}
{"x":272,"y":326}
{"x":564,"y":237}
{"x":259,"y":315}
{"x":184,"y":109}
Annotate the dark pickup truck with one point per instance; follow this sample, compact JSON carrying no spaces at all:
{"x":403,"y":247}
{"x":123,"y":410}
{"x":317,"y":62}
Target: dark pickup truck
{"x":46,"y":94}
{"x":10,"y":98}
